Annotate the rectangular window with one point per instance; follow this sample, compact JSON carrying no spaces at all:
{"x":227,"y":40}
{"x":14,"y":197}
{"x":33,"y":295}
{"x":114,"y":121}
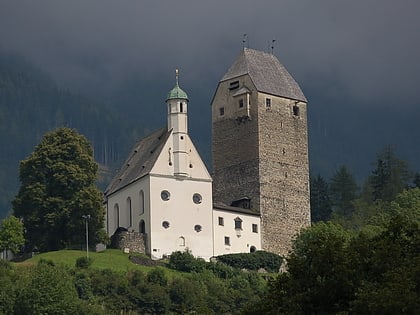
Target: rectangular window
{"x":241,"y":103}
{"x":238,"y":224}
{"x":222,"y":111}
{"x":227,"y":240}
{"x":233,"y":85}
{"x":221,"y":221}
{"x":255,"y":228}
{"x":296,"y":110}
{"x":268,"y":103}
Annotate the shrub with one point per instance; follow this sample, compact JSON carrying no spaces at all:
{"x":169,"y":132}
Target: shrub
{"x":253,"y":261}
{"x":185,"y":261}
{"x":83,"y":262}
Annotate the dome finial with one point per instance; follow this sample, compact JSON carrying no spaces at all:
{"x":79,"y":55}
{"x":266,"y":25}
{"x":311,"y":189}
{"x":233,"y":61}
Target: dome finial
{"x":177,"y":76}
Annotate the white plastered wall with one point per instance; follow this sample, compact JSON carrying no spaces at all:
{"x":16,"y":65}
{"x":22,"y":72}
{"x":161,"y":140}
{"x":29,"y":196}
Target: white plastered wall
{"x":241,"y":241}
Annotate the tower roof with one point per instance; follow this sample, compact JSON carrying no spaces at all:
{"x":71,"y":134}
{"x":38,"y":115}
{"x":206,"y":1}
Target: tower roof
{"x":267,"y":73}
{"x":177,"y":92}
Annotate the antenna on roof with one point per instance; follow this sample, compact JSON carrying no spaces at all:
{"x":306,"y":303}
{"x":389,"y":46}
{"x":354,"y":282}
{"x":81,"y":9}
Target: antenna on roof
{"x":272,"y":46}
{"x":244,"y":40}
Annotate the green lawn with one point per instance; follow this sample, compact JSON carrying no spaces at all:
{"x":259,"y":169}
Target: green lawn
{"x":113,"y":259}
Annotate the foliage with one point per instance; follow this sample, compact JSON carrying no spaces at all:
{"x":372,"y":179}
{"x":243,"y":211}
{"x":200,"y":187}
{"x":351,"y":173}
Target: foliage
{"x":343,"y":192}
{"x":83,"y":262}
{"x":320,"y":199}
{"x":390,"y":176}
{"x":57,"y":189}
{"x":185,"y":261}
{"x":253,"y":261}
{"x":334,"y":271}
{"x":41,"y":297}
{"x":11,"y":234}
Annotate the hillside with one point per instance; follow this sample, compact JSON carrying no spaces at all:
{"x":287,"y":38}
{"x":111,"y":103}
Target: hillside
{"x":31,"y":104}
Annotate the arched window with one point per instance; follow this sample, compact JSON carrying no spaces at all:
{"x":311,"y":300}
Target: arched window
{"x":141,"y":201}
{"x":142,"y":227}
{"x":116,"y":216}
{"x":181,"y":241}
{"x":129,"y":213}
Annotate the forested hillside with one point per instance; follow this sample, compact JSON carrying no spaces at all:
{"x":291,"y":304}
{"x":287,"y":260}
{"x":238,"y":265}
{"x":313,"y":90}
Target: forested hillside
{"x":31,"y":104}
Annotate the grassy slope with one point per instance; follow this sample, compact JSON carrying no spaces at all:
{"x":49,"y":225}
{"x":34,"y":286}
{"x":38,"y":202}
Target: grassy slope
{"x":113,"y":259}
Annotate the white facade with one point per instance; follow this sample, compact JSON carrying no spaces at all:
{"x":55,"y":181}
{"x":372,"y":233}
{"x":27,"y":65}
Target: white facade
{"x":235,"y":232}
{"x":164,"y":191}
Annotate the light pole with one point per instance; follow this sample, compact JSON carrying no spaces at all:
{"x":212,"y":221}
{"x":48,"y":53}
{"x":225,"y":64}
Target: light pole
{"x":87,"y":218}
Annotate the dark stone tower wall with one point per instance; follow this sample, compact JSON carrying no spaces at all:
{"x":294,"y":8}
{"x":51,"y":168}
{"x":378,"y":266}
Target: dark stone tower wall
{"x":261,"y":152}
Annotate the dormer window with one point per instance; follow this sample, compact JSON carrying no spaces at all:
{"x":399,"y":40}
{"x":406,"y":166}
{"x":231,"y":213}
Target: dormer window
{"x":233,"y":85}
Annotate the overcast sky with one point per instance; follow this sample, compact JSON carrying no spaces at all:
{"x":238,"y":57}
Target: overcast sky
{"x":366,"y":52}
{"x":371,"y":48}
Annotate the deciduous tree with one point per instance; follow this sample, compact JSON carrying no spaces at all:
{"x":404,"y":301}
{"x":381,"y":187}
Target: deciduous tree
{"x":11,"y":234}
{"x":57,"y":189}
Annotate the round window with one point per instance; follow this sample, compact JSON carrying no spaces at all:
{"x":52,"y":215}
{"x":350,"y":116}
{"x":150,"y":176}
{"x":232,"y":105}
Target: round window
{"x":165,"y":224}
{"x":165,"y":195}
{"x":197,"y":198}
{"x":198,"y":228}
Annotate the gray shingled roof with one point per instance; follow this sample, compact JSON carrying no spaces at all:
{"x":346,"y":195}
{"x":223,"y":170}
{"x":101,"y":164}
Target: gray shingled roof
{"x":222,"y":206}
{"x":141,"y":160}
{"x":267,"y":73}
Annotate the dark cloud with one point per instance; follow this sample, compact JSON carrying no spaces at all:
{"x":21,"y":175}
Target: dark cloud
{"x":368,"y":47}
{"x":358,"y":53}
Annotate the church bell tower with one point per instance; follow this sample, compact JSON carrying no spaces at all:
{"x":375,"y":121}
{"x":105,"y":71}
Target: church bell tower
{"x":177,"y":102}
{"x":260,"y":146}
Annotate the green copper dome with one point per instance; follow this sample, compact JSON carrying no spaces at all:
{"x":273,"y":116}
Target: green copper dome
{"x":177,"y":93}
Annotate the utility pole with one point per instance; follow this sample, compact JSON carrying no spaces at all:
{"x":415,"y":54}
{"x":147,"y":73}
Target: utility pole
{"x":87,"y":218}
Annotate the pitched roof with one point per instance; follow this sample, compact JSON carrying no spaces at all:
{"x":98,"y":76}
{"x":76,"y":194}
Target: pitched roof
{"x":267,"y":73}
{"x":140,"y":162}
{"x":224,"y":207}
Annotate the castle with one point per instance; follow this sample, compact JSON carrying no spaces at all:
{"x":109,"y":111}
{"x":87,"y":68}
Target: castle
{"x":258,"y":196}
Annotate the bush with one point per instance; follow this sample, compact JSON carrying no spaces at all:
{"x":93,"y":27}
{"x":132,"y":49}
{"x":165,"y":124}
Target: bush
{"x":253,"y":261}
{"x":83,"y":262}
{"x":185,"y":261}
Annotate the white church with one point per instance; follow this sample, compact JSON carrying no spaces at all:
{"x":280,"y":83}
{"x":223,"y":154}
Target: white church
{"x":164,"y":192}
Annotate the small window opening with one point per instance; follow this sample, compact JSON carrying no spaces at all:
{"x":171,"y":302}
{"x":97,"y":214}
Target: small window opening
{"x":198,"y":228}
{"x":197,"y":199}
{"x":165,"y":195}
{"x":252,"y":249}
{"x":181,"y":107}
{"x":165,"y":224}
{"x":238,"y":224}
{"x":255,"y":228}
{"x":222,"y":111}
{"x":221,"y":221}
{"x":268,"y":103}
{"x":295,"y":110}
{"x":241,"y":103}
{"x":227,"y":240}
{"x":233,"y":85}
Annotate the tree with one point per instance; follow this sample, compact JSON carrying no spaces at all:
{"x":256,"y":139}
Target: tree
{"x":319,"y":198}
{"x":390,"y":176}
{"x":57,"y":189}
{"x":11,"y":234}
{"x":343,"y":191}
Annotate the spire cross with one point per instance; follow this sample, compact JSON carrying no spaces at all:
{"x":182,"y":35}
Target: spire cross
{"x":176,"y":76}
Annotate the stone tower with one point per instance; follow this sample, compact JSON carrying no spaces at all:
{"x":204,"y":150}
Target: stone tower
{"x":260,"y":146}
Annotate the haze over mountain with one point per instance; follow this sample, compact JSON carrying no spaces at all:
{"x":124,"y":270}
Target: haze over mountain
{"x":357,"y":63}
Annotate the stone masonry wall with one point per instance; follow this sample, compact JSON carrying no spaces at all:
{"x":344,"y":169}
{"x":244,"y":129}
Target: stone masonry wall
{"x":284,"y":172}
{"x":134,"y":241}
{"x":264,"y":158}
